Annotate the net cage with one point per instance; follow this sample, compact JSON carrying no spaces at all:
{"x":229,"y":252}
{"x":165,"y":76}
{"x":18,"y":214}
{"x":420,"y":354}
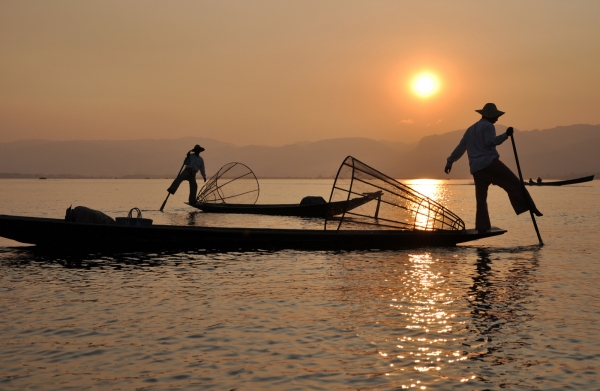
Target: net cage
{"x":393,"y":205}
{"x":234,"y":183}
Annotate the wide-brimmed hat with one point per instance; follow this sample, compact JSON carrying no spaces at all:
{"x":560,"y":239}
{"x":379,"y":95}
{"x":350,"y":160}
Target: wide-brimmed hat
{"x":490,"y":111}
{"x":197,"y":148}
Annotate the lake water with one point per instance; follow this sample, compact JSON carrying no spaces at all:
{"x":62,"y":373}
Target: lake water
{"x":501,"y":313}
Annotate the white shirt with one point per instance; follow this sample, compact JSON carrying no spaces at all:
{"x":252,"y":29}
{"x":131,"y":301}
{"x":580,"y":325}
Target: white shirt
{"x":479,"y":141}
{"x":196,"y":163}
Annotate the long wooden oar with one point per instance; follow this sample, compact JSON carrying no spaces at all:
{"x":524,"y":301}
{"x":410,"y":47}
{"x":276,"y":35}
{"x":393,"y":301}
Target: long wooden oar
{"x":537,"y":231}
{"x":165,"y":201}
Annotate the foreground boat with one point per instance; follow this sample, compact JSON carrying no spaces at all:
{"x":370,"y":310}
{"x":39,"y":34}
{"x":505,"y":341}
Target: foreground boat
{"x":376,"y":212}
{"x":562,"y":183}
{"x":59,"y":235}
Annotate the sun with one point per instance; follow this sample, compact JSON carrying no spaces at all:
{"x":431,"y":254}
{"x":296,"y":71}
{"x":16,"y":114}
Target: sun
{"x":425,"y":84}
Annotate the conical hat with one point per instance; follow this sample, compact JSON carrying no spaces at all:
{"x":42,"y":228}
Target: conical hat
{"x":490,"y":111}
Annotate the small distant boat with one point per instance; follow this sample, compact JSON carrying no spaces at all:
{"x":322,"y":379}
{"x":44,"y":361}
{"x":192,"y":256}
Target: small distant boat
{"x":43,"y":177}
{"x":562,"y":183}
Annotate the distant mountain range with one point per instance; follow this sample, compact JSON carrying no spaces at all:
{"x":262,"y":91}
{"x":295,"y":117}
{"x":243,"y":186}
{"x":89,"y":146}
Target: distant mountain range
{"x":561,"y":152}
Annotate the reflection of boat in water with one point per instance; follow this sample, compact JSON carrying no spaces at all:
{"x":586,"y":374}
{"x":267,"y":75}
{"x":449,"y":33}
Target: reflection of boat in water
{"x":235,"y":189}
{"x":562,"y":183}
{"x":386,"y":214}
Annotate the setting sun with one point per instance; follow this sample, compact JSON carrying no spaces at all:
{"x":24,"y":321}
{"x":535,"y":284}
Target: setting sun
{"x":425,"y":84}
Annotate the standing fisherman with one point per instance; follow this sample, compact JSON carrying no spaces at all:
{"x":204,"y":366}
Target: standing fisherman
{"x":193,"y":164}
{"x":479,"y":141}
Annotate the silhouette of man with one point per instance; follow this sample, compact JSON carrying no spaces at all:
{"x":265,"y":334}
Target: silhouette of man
{"x":194,"y":163}
{"x":479,"y":141}
{"x":539,"y":180}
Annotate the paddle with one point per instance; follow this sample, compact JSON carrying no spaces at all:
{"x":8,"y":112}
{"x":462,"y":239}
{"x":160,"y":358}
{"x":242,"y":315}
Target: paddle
{"x":165,"y":201}
{"x":537,"y":231}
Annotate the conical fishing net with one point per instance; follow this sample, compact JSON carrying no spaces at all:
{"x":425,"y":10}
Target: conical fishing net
{"x":234,"y":183}
{"x":394,"y":205}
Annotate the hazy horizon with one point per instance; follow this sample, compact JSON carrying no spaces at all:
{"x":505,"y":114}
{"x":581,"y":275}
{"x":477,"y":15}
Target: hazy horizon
{"x":275,"y":73}
{"x":561,"y":152}
{"x":500,"y":127}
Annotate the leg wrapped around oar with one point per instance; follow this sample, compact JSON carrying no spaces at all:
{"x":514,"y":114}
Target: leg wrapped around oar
{"x":500,"y":175}
{"x":185,"y":175}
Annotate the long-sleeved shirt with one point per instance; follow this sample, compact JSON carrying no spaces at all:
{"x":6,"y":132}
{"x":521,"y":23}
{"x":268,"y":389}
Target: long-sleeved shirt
{"x":479,"y":141}
{"x":196,"y":163}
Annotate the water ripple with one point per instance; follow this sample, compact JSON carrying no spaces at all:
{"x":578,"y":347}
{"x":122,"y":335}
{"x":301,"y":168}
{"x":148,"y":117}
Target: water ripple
{"x":487,"y":316}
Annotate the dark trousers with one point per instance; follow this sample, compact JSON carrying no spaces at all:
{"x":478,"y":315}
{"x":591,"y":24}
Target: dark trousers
{"x":498,"y":174}
{"x":186,"y":175}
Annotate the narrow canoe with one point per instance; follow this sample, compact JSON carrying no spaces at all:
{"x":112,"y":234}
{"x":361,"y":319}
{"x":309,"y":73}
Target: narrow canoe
{"x":58,"y":235}
{"x":562,"y":183}
{"x":314,"y":210}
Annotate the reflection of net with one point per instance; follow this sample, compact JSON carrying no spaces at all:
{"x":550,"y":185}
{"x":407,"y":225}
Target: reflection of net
{"x":234,"y":183}
{"x":396,"y":206}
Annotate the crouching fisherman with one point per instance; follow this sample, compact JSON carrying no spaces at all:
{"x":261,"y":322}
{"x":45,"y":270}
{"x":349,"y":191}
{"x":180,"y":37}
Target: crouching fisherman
{"x":193,"y":164}
{"x":81,"y":214}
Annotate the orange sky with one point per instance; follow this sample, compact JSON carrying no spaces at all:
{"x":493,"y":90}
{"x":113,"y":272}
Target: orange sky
{"x":277,"y":72}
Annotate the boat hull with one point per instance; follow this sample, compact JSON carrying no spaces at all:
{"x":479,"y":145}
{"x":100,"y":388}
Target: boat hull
{"x":56,"y":234}
{"x":317,"y":210}
{"x":271,"y":210}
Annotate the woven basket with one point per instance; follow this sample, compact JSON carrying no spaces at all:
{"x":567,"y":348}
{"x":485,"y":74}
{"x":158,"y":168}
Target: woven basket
{"x":134,"y":222}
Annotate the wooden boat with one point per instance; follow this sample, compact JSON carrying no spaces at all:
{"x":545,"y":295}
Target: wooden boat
{"x":400,"y":218}
{"x":328,"y":209}
{"x":235,"y":189}
{"x":62,"y":236}
{"x":562,"y":183}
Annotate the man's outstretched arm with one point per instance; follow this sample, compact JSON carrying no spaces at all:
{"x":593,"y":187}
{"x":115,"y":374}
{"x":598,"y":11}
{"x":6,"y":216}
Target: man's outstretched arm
{"x":448,"y":168}
{"x":460,"y":150}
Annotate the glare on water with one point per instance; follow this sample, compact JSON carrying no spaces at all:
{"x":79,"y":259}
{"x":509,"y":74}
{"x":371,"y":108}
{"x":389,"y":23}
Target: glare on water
{"x":432,"y":189}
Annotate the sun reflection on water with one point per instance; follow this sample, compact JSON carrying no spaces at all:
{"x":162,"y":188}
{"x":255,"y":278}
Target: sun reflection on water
{"x":435,"y":190}
{"x":432,"y":188}
{"x":425,"y":306}
{"x":433,"y":325}
{"x":427,"y":313}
